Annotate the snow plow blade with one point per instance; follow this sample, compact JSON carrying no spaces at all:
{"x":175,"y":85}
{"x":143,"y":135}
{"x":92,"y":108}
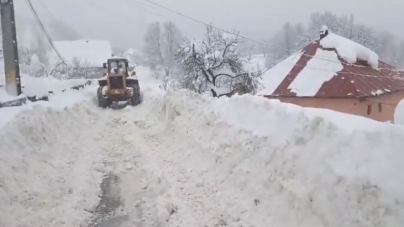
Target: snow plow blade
{"x":119,"y":104}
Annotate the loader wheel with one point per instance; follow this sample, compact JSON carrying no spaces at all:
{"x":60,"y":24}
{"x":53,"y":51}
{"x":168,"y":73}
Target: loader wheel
{"x":135,"y":99}
{"x":102,"y":102}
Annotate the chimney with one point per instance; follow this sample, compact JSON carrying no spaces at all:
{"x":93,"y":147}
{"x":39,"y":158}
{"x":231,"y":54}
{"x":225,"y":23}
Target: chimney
{"x":323,"y":31}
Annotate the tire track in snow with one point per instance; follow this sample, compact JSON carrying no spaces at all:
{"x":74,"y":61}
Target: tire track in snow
{"x":142,"y":190}
{"x":190,"y":199}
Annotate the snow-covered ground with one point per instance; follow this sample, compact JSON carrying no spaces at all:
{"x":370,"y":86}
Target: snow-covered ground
{"x":40,"y":86}
{"x":180,"y":159}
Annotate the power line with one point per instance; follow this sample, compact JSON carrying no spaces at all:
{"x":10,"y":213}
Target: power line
{"x":203,"y":23}
{"x":220,"y":29}
{"x":38,"y":20}
{"x":247,"y":38}
{"x":282,"y":62}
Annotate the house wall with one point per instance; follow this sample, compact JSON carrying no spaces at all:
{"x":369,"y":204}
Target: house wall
{"x":379,"y":108}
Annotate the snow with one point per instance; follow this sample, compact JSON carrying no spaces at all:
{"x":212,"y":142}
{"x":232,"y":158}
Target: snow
{"x":182,"y":159}
{"x":348,"y":50}
{"x":399,"y":113}
{"x":274,"y":77}
{"x":58,"y":101}
{"x":45,"y":177}
{"x":90,"y":52}
{"x":5,"y":97}
{"x":302,"y":167}
{"x":40,"y":86}
{"x":377,"y":92}
{"x":256,"y":63}
{"x":317,"y":71}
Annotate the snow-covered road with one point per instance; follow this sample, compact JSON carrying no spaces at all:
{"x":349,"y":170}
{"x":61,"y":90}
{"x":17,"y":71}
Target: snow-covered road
{"x":181,"y":159}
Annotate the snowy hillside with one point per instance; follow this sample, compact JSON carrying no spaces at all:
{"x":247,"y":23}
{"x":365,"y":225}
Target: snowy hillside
{"x":181,"y":159}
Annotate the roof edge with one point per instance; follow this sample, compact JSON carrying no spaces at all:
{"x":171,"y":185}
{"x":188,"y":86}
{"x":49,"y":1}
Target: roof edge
{"x":331,"y":97}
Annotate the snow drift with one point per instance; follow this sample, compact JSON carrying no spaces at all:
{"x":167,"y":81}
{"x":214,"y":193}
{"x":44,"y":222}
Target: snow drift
{"x":189,"y":160}
{"x":44,"y":176}
{"x":273,"y":164}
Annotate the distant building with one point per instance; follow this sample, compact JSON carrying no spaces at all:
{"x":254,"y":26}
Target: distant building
{"x":337,"y":74}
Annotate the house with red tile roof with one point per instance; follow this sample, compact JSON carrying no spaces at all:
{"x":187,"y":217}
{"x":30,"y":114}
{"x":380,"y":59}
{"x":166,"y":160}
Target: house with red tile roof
{"x":338,"y":74}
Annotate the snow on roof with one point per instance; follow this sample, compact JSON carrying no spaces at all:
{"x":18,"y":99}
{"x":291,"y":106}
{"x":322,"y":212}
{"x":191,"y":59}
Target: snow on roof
{"x":274,"y":77}
{"x":318,"y":71}
{"x":92,"y":52}
{"x":347,"y":49}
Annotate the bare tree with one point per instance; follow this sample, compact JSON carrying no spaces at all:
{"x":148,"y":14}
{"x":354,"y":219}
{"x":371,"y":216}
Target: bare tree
{"x":161,"y":46}
{"x":289,"y":39}
{"x":215,"y":64}
{"x":152,"y":49}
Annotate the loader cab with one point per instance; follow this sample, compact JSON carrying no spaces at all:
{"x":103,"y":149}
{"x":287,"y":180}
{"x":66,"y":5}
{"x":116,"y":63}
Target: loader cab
{"x":117,"y":66}
{"x":117,"y":72}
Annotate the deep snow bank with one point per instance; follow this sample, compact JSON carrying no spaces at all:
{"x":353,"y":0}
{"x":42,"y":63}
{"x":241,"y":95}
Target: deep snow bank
{"x":271,"y":164}
{"x":59,"y":101}
{"x":40,"y":86}
{"x":45,"y":175}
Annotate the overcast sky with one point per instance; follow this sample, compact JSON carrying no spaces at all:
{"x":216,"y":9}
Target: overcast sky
{"x":123,"y":22}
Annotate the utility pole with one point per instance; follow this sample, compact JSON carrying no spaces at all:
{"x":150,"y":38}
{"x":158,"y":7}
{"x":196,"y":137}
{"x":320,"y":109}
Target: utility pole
{"x":10,"y":50}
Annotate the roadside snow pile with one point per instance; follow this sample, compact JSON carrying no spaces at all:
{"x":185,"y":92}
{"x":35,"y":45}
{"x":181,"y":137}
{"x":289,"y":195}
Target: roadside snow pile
{"x":40,"y":86}
{"x":59,"y":101}
{"x":44,"y":176}
{"x":274,"y":164}
{"x":347,"y":49}
{"x":5,"y":97}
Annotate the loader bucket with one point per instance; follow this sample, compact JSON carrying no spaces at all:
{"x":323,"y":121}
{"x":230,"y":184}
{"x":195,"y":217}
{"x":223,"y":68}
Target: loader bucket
{"x":119,"y":104}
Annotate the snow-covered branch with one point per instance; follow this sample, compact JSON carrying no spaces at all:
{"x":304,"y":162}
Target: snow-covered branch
{"x":213,"y":63}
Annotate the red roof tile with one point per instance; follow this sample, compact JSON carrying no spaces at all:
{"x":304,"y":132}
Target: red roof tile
{"x":354,"y":80}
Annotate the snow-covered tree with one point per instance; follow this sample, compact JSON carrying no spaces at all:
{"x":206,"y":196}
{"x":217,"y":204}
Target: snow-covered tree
{"x":134,"y":56}
{"x":293,"y":37}
{"x":319,"y":19}
{"x":366,"y":36}
{"x":214,"y":64}
{"x":161,"y":46}
{"x":31,"y":41}
{"x":80,"y":68}
{"x":35,"y":67}
{"x":289,"y":39}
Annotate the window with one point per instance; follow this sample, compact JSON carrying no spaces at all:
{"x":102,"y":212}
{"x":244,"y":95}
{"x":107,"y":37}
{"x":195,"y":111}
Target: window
{"x":380,"y":107}
{"x":369,"y":109}
{"x":114,"y":64}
